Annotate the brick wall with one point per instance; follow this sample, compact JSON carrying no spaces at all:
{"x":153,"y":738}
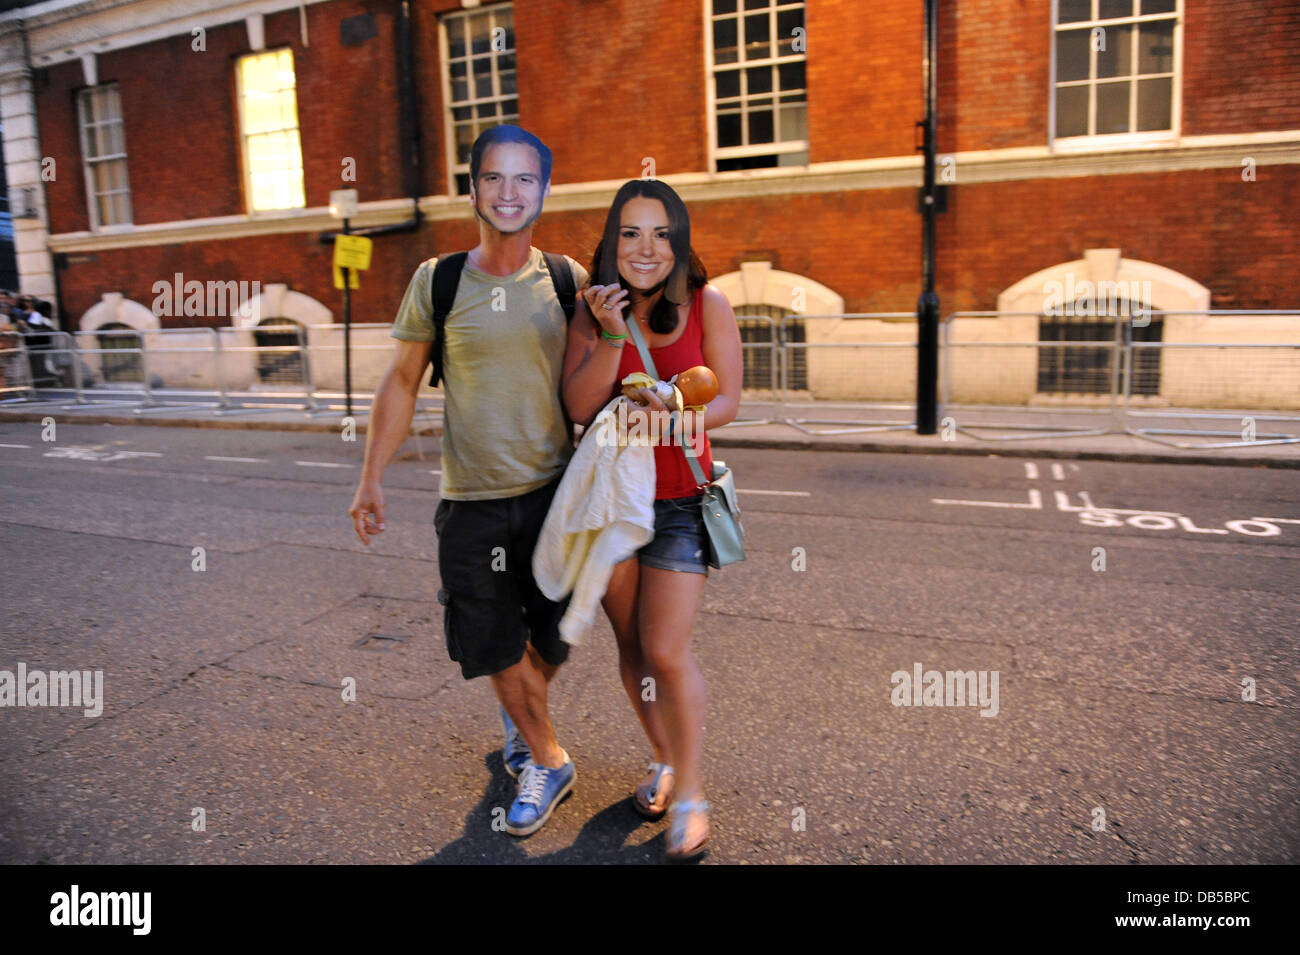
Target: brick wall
{"x":607,"y":83}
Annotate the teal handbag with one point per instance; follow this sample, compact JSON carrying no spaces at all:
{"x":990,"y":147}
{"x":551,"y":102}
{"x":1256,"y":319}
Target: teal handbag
{"x":719,"y":506}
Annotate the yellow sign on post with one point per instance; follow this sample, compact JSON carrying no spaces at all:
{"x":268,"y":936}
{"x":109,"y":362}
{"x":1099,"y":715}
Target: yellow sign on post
{"x":351,"y":252}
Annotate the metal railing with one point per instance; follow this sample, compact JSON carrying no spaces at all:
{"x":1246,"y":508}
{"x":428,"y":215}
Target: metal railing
{"x":817,"y":374}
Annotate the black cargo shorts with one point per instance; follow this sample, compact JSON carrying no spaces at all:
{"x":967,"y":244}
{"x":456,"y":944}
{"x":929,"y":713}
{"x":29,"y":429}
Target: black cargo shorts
{"x":492,"y":607}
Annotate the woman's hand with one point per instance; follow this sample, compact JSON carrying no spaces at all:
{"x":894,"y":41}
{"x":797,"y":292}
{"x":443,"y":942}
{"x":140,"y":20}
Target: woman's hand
{"x":606,"y":303}
{"x":648,"y":415}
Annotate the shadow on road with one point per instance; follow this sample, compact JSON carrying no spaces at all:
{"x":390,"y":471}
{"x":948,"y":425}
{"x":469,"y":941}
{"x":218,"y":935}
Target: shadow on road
{"x":601,"y":840}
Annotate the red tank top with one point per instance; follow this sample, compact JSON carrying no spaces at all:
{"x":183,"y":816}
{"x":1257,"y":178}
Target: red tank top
{"x":674,"y":478}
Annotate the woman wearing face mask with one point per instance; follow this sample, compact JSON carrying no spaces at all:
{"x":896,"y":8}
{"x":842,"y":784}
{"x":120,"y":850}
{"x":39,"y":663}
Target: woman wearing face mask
{"x":644,"y":267}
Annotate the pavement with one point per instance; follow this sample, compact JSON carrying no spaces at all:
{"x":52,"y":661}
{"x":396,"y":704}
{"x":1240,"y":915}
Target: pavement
{"x":1044,"y":433}
{"x":1139,"y":619}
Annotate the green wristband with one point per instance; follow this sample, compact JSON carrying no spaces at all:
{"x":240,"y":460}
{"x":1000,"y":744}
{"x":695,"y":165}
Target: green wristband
{"x":612,"y":338}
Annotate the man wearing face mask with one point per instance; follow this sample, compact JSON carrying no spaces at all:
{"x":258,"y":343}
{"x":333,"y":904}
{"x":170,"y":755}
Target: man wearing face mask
{"x":505,"y":444}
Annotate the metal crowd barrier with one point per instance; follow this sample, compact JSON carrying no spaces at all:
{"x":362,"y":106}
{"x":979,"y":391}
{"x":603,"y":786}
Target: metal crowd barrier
{"x":1261,"y":367}
{"x":882,"y":376}
{"x":1002,"y":386}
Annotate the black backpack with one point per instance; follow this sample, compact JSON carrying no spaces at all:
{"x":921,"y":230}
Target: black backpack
{"x":446,"y":279}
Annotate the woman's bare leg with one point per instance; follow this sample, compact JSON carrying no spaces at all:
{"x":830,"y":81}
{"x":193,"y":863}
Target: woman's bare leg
{"x":666,"y":614}
{"x":620,"y":603}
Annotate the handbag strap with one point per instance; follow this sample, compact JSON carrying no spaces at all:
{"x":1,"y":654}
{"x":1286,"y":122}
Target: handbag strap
{"x":648,"y":363}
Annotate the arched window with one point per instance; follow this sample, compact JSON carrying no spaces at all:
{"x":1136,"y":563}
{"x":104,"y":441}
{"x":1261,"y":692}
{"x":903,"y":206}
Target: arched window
{"x":1081,"y":302}
{"x":1089,"y":367}
{"x":765,"y":298}
{"x":125,"y":365}
{"x":282,"y":361}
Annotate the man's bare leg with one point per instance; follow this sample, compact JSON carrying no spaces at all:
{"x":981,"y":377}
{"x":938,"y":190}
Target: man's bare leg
{"x":522,"y":691}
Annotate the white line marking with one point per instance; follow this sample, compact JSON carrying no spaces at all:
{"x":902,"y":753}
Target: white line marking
{"x":750,"y":490}
{"x":1031,"y":471}
{"x":1277,"y":520}
{"x":15,"y":445}
{"x":1035,"y":502}
{"x":1063,"y":504}
{"x":143,"y":454}
{"x":435,"y":472}
{"x":221,"y":457}
{"x":1058,"y":473}
{"x":322,"y":464}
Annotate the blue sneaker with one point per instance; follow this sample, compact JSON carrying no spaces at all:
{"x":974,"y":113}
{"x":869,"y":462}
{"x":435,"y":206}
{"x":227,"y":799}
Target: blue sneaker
{"x":516,"y":753}
{"x":541,"y":789}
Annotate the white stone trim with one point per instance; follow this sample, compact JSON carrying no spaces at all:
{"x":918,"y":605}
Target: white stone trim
{"x":116,"y":308}
{"x":62,"y":31}
{"x":757,"y":283}
{"x":276,"y":301}
{"x":89,"y":69}
{"x":314,"y":219}
{"x":256,"y":26}
{"x":1170,"y":290}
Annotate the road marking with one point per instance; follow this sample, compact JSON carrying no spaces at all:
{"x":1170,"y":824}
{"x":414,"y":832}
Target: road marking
{"x":1063,"y":504}
{"x":15,"y":445}
{"x":751,"y":490}
{"x":435,"y":472}
{"x":77,"y":453}
{"x":1144,"y":519}
{"x":1035,"y":502}
{"x":322,"y":464}
{"x":221,"y":457}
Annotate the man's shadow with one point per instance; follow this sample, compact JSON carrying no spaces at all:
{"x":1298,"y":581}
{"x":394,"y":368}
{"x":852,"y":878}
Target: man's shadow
{"x":601,"y":841}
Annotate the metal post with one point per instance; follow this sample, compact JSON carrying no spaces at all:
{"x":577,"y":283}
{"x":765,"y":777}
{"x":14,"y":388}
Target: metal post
{"x":347,"y":333}
{"x":927,"y":307}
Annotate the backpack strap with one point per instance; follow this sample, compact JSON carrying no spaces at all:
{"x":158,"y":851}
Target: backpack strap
{"x":562,"y":279}
{"x":446,"y":279}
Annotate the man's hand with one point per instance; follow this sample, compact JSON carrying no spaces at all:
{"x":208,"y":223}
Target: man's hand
{"x":367,"y":510}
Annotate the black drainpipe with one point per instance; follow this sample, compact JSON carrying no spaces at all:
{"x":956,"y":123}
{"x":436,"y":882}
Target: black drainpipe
{"x":409,"y":131}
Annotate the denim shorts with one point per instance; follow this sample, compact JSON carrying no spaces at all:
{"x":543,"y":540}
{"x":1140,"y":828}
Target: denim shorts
{"x":680,"y":542}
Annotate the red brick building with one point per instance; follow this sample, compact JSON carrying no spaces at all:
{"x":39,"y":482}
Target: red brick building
{"x":1138,"y":138}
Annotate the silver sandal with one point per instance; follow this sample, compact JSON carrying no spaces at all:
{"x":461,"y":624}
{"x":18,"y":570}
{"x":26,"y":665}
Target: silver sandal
{"x":656,"y":786}
{"x":681,"y":811}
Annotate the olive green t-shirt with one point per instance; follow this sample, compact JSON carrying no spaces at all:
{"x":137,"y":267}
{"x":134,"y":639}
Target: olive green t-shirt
{"x":504,"y":431}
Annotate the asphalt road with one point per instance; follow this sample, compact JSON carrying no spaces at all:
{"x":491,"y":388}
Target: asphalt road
{"x":1118,"y":733}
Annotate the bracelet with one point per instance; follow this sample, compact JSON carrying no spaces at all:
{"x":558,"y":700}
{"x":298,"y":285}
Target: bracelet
{"x":612,"y":338}
{"x":615,"y":342}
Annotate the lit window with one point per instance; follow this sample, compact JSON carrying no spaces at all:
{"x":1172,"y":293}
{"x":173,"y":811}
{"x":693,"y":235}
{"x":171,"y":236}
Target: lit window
{"x":759,"y":85}
{"x":103,"y":151}
{"x":268,"y":117}
{"x":479,"y":81}
{"x":1116,"y":68}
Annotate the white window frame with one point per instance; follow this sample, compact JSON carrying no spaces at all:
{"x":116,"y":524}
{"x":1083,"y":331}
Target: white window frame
{"x":88,"y":162}
{"x":1093,"y":142}
{"x":453,"y":167}
{"x":244,"y":136}
{"x":716,"y":152}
